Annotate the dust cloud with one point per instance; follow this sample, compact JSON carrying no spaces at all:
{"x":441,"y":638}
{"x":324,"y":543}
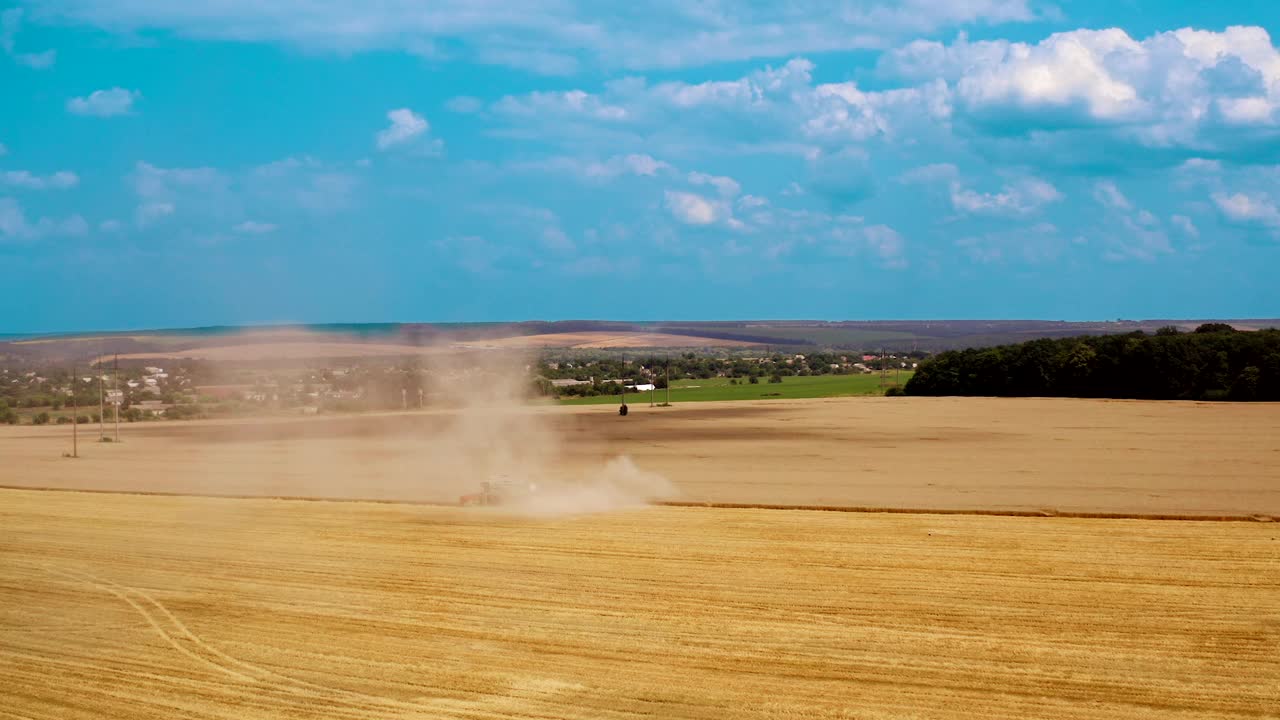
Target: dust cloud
{"x":480,"y":425}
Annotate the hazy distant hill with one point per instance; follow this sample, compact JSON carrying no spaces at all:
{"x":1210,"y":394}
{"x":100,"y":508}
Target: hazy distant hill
{"x":928,"y":335}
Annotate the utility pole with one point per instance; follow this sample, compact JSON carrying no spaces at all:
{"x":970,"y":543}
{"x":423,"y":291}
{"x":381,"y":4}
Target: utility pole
{"x":115,"y":392}
{"x":668,"y":371}
{"x":102,"y":403}
{"x":75,"y":416}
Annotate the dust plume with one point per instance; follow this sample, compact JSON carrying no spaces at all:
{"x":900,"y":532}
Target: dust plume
{"x":479,"y":425}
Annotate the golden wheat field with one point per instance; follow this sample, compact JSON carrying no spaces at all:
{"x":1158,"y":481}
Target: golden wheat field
{"x":129,"y":606}
{"x":586,"y":604}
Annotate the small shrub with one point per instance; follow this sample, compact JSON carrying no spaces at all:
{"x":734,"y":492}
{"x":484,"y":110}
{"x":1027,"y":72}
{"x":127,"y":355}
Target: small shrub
{"x":894,"y":391}
{"x":63,"y":420}
{"x":40,"y":419}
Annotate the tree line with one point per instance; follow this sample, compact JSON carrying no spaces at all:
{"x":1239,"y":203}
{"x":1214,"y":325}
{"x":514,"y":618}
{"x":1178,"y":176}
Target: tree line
{"x":1215,"y":362}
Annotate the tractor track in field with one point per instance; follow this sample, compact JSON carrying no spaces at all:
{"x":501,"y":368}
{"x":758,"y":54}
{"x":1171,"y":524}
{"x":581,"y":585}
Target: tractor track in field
{"x":181,"y":638}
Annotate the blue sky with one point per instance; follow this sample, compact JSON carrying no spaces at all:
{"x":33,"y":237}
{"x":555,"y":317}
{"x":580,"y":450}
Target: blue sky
{"x":247,"y":161}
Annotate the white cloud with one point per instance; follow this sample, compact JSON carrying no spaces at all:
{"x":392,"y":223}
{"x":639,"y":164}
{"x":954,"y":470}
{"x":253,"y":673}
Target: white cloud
{"x":887,"y":244}
{"x":751,"y":202}
{"x":637,"y":164}
{"x":14,"y":224}
{"x":406,"y":127}
{"x":727,"y":186}
{"x":252,"y":227}
{"x":10,"y":23}
{"x":61,"y":180}
{"x":1184,"y":223}
{"x":1022,"y":197}
{"x":150,"y":213}
{"x":1185,"y":89}
{"x":694,"y":209}
{"x":570,"y":102}
{"x":841,"y":111}
{"x":1139,"y":238}
{"x":1248,"y":209}
{"x":1106,"y":193}
{"x":553,"y":36}
{"x":555,"y":238}
{"x":849,"y":237}
{"x":634,"y":164}
{"x":922,"y":60}
{"x":110,"y":226}
{"x":104,"y":103}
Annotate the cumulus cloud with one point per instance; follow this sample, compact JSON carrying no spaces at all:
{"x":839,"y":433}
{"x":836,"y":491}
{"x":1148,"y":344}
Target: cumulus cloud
{"x":61,"y":180}
{"x":633,"y":164}
{"x":922,"y":60}
{"x":14,"y":224}
{"x":880,"y":241}
{"x":555,"y":238}
{"x":1022,"y":197}
{"x":569,"y":102}
{"x":10,"y":23}
{"x":1106,"y":193}
{"x":637,"y":164}
{"x":843,"y":112}
{"x":693,"y":209}
{"x":1248,"y":209}
{"x":1193,"y":90}
{"x":556,"y":36}
{"x":104,"y":103}
{"x":149,"y":213}
{"x":159,"y":188}
{"x":1185,"y":224}
{"x":407,"y":128}
{"x":773,"y":110}
{"x":727,"y":186}
{"x":1140,"y":237}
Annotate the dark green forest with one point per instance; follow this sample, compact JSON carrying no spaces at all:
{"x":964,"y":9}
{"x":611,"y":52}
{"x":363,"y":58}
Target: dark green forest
{"x":1215,"y":362}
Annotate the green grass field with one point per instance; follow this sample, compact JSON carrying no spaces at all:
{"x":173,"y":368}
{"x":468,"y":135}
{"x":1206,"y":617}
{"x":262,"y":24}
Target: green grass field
{"x":813,"y":386}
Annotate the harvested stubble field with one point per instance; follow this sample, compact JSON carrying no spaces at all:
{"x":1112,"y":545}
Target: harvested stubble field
{"x":1071,"y":456}
{"x":129,"y":606}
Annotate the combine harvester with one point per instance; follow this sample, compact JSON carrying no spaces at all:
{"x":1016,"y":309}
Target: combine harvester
{"x":503,"y":491}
